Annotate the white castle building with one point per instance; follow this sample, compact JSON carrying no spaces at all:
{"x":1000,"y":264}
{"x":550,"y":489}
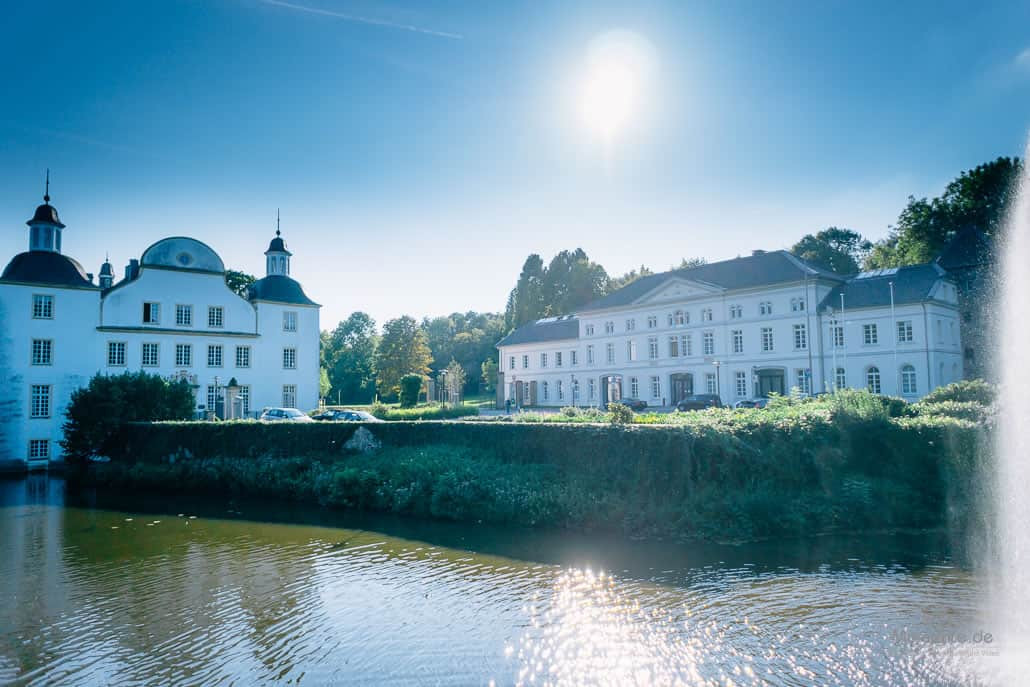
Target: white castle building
{"x":742,"y":329}
{"x":172,"y":315}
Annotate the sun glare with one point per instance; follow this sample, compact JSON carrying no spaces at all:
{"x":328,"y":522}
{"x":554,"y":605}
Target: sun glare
{"x":618,"y":67}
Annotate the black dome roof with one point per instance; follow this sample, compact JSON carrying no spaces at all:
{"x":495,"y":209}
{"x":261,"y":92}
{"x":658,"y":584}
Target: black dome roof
{"x":278,"y":289}
{"x":47,"y":214}
{"x":277,"y":245}
{"x":45,"y":267}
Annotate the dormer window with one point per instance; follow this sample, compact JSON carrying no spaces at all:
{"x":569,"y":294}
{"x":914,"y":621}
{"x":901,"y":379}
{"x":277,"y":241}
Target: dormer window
{"x":797,"y":304}
{"x":706,"y":314}
{"x":765,"y":308}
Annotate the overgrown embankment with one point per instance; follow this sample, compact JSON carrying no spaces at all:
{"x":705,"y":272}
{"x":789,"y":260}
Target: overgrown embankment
{"x":799,"y":468}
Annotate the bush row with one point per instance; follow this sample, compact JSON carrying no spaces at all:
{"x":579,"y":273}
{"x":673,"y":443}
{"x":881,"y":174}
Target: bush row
{"x":796,"y":468}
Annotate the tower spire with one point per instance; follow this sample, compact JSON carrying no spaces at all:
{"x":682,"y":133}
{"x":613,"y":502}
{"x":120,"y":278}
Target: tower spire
{"x":46,"y":191}
{"x":277,"y":221}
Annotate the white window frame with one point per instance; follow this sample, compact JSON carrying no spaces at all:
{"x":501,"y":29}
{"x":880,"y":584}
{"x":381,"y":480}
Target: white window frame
{"x":215,"y":317}
{"x":740,"y":382}
{"x":634,"y":387}
{"x":150,"y":360}
{"x":905,"y":333}
{"x":872,"y":379}
{"x":183,"y":355}
{"x":800,"y":337}
{"x":42,"y":306}
{"x":183,"y":315}
{"x":609,"y":353}
{"x":43,"y":352}
{"x":151,"y":312}
{"x":543,"y":361}
{"x":117,"y":350}
{"x":557,"y":359}
{"x":289,"y":358}
{"x":39,"y":449}
{"x":656,"y":386}
{"x":840,"y":378}
{"x":215,"y":355}
{"x":738,"y":340}
{"x":243,"y":356}
{"x":909,"y":385}
{"x":652,"y":348}
{"x":290,"y":320}
{"x":40,"y":401}
{"x":289,"y":395}
{"x":870,"y":335}
{"x":803,"y":377}
{"x":708,"y":343}
{"x":768,"y":341}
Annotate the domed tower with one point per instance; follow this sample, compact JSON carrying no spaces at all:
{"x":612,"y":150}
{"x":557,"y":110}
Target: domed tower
{"x":277,"y":258}
{"x":106,"y":275}
{"x":45,"y":226}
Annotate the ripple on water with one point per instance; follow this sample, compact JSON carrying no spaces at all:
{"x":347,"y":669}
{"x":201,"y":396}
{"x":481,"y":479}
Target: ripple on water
{"x":200,"y":601}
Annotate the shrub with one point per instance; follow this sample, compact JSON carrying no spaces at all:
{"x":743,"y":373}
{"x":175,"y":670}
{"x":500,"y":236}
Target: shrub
{"x":966,"y":391}
{"x":379,"y":410}
{"x":620,"y":414}
{"x":411,"y":387}
{"x":97,"y":411}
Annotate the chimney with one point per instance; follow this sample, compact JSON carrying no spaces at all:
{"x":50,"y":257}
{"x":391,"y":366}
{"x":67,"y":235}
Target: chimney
{"x":757,"y":252}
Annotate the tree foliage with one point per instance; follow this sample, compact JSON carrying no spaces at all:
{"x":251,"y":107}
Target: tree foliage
{"x":238,"y":282}
{"x":978,"y":198}
{"x":403,"y":349}
{"x":348,"y":354}
{"x":569,"y":281}
{"x":410,"y":388}
{"x":468,"y":338}
{"x":97,"y":410}
{"x":489,"y":375}
{"x":834,"y":249}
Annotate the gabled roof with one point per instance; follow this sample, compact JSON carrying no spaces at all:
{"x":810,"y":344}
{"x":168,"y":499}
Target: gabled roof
{"x":760,"y":269}
{"x":912,"y":284}
{"x":46,"y":267}
{"x":550,"y":329}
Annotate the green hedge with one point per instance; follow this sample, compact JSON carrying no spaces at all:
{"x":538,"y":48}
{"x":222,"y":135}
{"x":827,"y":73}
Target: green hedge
{"x":801,"y":470}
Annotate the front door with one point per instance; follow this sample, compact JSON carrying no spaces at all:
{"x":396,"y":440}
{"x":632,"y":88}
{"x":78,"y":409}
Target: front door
{"x":611,"y":390}
{"x":682,"y":386}
{"x":771,"y":382}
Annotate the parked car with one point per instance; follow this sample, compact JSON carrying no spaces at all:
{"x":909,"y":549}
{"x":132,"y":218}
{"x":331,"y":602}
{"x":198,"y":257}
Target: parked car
{"x":752,"y":403}
{"x":634,"y":403}
{"x":345,"y":415}
{"x":699,"y":402}
{"x":283,"y":415}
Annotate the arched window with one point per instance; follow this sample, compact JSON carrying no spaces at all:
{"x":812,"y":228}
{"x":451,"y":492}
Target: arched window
{"x":908,"y":379}
{"x":545,"y":391}
{"x":872,"y":379}
{"x":841,"y":378}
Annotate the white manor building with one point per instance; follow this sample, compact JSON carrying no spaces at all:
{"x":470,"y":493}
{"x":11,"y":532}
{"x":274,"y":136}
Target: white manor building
{"x":742,"y":329}
{"x":172,"y":314}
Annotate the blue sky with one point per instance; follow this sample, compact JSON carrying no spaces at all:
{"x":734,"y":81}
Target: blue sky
{"x":420,"y":150}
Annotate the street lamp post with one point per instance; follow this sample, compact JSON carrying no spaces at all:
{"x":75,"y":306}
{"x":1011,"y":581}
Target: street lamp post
{"x":718,"y":380}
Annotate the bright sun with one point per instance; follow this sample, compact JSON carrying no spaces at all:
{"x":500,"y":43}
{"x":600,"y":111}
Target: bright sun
{"x":618,"y":67}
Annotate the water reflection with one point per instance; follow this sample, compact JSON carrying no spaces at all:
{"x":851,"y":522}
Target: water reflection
{"x":159,"y":595}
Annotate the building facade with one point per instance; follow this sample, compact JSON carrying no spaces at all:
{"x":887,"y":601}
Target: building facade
{"x":172,"y":314}
{"x":742,"y":329}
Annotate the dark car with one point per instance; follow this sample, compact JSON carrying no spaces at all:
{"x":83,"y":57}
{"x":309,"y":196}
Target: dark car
{"x":337,"y":415}
{"x":699,"y":402}
{"x":633,"y":403}
{"x":752,"y":403}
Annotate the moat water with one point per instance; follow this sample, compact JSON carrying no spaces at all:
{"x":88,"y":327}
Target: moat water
{"x":101,"y":589}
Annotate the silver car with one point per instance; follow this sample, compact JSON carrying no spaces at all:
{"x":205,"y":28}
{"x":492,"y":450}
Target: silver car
{"x":283,"y":415}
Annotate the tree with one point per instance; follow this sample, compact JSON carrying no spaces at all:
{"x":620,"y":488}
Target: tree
{"x":96,"y":411}
{"x":410,"y":388}
{"x":687,"y":263}
{"x":455,"y":380}
{"x":402,"y":350}
{"x":466,"y":337}
{"x":978,"y":198}
{"x":348,"y":354}
{"x":834,"y":249}
{"x":238,"y":282}
{"x":526,"y":301}
{"x":489,"y":375}
{"x":323,"y":383}
{"x":616,"y":283}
